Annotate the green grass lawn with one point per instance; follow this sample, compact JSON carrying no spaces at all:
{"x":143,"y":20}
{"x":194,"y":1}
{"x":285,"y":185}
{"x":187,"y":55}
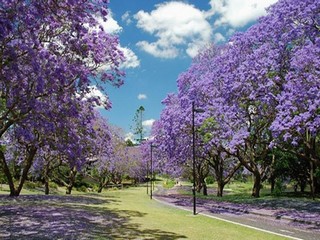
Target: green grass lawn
{"x":240,"y":192}
{"x":165,"y":222}
{"x":115,"y":214}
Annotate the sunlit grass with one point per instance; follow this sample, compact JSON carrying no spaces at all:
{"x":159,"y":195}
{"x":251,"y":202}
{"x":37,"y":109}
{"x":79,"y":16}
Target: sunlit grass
{"x":168,"y":183}
{"x":133,"y":215}
{"x":240,"y":192}
{"x":158,"y":216}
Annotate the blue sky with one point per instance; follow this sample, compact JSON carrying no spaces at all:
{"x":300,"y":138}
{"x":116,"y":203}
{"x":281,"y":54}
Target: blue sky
{"x":159,"y":39}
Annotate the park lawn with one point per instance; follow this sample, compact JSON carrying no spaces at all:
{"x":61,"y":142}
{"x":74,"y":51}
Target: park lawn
{"x":240,"y":192}
{"x":165,"y":222}
{"x":113,"y":214}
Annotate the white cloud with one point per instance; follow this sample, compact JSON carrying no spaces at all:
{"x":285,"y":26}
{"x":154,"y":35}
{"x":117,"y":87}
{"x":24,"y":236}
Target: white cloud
{"x":142,"y":96}
{"x":126,"y":18}
{"x":102,"y":99}
{"x":148,"y":123}
{"x":155,"y":49}
{"x":132,"y":60}
{"x":193,"y":49}
{"x":129,"y":136}
{"x":111,"y":25}
{"x":218,"y":37}
{"x":238,"y":13}
{"x":177,"y":26}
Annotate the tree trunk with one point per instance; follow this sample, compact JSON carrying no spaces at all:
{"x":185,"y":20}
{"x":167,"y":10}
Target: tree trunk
{"x":316,"y":185}
{"x":100,"y":188}
{"x":8,"y":174}
{"x":302,"y":186}
{"x":46,"y":186}
{"x":312,"y":185}
{"x":205,"y":189}
{"x":256,"y":185}
{"x":219,"y":177}
{"x":69,"y":189}
{"x":28,"y":162}
{"x":46,"y":180}
{"x":198,"y":186}
{"x":272,"y":182}
{"x":220,"y":188}
{"x":101,"y":185}
{"x":272,"y":175}
{"x":72,"y":178}
{"x":103,"y":181}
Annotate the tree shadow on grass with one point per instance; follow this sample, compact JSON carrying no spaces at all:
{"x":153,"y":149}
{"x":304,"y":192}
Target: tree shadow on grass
{"x":70,"y":217}
{"x":84,"y":199}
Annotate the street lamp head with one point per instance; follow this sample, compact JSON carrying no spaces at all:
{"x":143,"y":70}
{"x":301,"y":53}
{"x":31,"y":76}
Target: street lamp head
{"x":199,"y":110}
{"x":153,"y":146}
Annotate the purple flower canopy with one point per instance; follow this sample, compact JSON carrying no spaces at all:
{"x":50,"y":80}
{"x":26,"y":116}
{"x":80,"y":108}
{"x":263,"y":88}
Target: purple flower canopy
{"x":259,"y":90}
{"x":51,"y":54}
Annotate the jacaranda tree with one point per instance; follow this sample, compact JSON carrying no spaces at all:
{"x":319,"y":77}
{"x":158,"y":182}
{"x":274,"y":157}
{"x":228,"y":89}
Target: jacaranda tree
{"x":298,"y":118}
{"x":51,"y":51}
{"x":201,"y":85}
{"x":260,"y":90}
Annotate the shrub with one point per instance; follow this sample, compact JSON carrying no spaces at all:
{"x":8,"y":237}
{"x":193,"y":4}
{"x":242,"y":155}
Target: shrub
{"x":82,"y":188}
{"x":53,"y":185}
{"x":209,"y":180}
{"x":32,"y":185}
{"x":168,"y":183}
{"x":279,"y":188}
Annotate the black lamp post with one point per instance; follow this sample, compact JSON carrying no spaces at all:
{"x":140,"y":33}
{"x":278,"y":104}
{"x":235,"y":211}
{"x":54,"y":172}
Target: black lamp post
{"x":147,"y":177}
{"x":151,"y":169}
{"x":194,"y":157}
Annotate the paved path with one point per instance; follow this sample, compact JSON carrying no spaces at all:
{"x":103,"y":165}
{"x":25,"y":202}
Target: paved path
{"x":296,"y":219}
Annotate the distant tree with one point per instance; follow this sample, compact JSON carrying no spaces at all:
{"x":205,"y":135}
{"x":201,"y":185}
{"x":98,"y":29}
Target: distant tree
{"x":173,"y":138}
{"x":136,"y":164}
{"x":114,"y":159}
{"x":129,"y":143}
{"x":44,"y":165}
{"x":169,"y":137}
{"x":138,"y":127}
